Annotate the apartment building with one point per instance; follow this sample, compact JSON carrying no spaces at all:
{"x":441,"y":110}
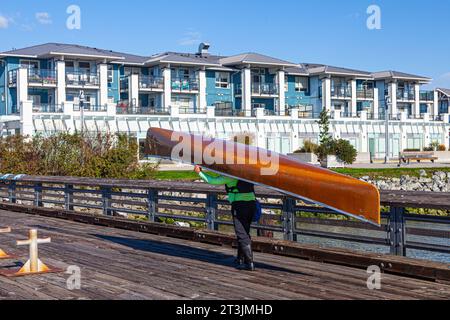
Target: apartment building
{"x":61,"y":87}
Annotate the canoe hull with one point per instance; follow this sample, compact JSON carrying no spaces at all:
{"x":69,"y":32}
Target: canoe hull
{"x":338,"y":192}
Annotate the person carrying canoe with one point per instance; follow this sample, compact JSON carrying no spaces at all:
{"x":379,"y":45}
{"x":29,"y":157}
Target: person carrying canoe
{"x":242,"y":197}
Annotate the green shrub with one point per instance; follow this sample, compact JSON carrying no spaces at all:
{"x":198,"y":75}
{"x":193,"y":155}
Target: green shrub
{"x":344,"y":151}
{"x":63,"y":154}
{"x":308,"y":147}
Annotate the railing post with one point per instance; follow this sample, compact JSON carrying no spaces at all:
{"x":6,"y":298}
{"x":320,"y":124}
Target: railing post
{"x":106,"y":201}
{"x":152,"y":198}
{"x":68,"y":197}
{"x":12,"y":192}
{"x":38,"y":195}
{"x":397,"y":231}
{"x":211,"y":209}
{"x":288,"y":219}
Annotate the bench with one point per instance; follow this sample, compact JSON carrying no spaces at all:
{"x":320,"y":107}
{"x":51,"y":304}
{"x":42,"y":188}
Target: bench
{"x":407,"y":157}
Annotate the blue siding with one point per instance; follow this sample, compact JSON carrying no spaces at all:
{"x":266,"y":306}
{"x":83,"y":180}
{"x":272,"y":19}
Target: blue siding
{"x":213,"y":94}
{"x":113,"y":87}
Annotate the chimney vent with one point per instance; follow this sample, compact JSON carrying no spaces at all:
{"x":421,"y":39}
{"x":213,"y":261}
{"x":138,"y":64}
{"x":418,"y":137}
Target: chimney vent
{"x":203,"y":49}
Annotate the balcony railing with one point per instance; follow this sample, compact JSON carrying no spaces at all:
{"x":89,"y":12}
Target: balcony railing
{"x":376,"y":116}
{"x":82,"y":78}
{"x":87,"y":107}
{"x":42,"y":76}
{"x":48,"y":108}
{"x":229,"y":112}
{"x":416,"y":116}
{"x":264,"y":89}
{"x":426,"y":95}
{"x":407,"y":95}
{"x":185,"y":84}
{"x":134,"y":110}
{"x":12,"y":78}
{"x":341,"y":92}
{"x":365,"y":93}
{"x":191,"y":110}
{"x":151,"y":82}
{"x":347,"y":114}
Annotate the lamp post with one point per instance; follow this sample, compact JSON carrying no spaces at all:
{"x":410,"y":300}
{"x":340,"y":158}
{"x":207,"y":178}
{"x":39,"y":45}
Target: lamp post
{"x":82,"y":99}
{"x":388,"y":102}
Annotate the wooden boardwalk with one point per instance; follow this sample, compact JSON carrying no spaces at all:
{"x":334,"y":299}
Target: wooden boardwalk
{"x":120,"y":264}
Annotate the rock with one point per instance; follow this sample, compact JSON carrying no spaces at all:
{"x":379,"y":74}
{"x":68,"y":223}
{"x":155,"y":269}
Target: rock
{"x":423,"y":173}
{"x":404,"y":180}
{"x":441,"y":175}
{"x":365,"y":178}
{"x":425,"y":180}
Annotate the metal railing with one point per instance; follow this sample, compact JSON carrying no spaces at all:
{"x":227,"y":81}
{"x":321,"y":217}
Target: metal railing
{"x":82,"y":78}
{"x":415,"y":116}
{"x":407,"y":95}
{"x":87,"y":107}
{"x":229,"y":112}
{"x":348,"y":114}
{"x":308,"y":115}
{"x":365,"y":93}
{"x":426,"y":95}
{"x":185,"y":84}
{"x":48,"y":108}
{"x":151,"y":82}
{"x":191,"y":110}
{"x":264,"y":89}
{"x":343,"y":91}
{"x":205,"y":206}
{"x":376,"y":116}
{"x":132,"y":110}
{"x":42,"y":76}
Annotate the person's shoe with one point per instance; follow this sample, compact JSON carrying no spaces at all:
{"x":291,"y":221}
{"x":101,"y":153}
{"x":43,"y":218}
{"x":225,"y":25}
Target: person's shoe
{"x":239,"y":259}
{"x":248,"y":264}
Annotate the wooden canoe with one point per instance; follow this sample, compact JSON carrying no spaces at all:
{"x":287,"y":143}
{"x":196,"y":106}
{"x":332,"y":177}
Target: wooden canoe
{"x":338,"y":192}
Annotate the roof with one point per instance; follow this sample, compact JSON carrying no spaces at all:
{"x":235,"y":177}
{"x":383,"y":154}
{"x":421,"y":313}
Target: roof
{"x":256,"y":59}
{"x":298,"y":71}
{"x":55,"y":49}
{"x":444,"y":91}
{"x":184,"y":58}
{"x":332,"y":70}
{"x":398,"y":75}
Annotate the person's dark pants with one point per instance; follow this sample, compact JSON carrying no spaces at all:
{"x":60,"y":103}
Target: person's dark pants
{"x":243,"y":213}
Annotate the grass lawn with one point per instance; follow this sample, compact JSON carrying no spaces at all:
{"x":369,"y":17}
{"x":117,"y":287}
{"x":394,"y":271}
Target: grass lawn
{"x":357,"y":173}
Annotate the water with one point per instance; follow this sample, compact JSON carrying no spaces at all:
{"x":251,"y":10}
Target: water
{"x":417,"y":254}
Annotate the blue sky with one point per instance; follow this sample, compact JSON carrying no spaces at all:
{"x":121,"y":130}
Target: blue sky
{"x":414,"y":36}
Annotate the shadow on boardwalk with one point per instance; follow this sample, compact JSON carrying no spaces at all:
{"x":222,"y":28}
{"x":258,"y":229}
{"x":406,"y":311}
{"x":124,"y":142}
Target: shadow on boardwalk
{"x":187,"y":252}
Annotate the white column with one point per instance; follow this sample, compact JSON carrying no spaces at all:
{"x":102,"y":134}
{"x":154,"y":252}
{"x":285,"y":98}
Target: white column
{"x":404,"y":138}
{"x":26,"y":118}
{"x":364,"y":141}
{"x":133,"y":89}
{"x":326,"y":94}
{"x":202,"y":89}
{"x":111,"y":109}
{"x":211,"y":111}
{"x":103,"y":97}
{"x":416,"y":110}
{"x":61,"y":81}
{"x":393,"y":92}
{"x":247,"y":92}
{"x":353,"y":106}
{"x":174,"y":111}
{"x":68,"y":111}
{"x":282,"y":92}
{"x":22,"y":85}
{"x":294,"y":136}
{"x":167,"y":97}
{"x":436,"y":104}
{"x":376,"y":102}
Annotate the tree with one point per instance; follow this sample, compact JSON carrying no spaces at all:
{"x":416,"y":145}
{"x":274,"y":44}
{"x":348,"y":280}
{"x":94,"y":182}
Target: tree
{"x":325,"y":147}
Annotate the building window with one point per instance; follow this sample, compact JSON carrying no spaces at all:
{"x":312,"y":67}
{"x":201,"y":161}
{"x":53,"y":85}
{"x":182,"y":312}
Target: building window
{"x":222,"y":80}
{"x":30,"y":64}
{"x":301,"y":84}
{"x":110,"y":74}
{"x":286,"y":83}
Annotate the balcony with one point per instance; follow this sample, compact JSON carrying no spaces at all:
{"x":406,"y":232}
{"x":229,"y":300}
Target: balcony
{"x":376,"y":116}
{"x":229,"y":112}
{"x":185,"y":84}
{"x":365,"y":93}
{"x":264,"y":89}
{"x":82,"y":79}
{"x":347,"y":114}
{"x":133,"y":110}
{"x":151,"y":82}
{"x":341,"y":92}
{"x":427,"y":96}
{"x":42,"y":77}
{"x":405,"y":95}
{"x":48,"y":108}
